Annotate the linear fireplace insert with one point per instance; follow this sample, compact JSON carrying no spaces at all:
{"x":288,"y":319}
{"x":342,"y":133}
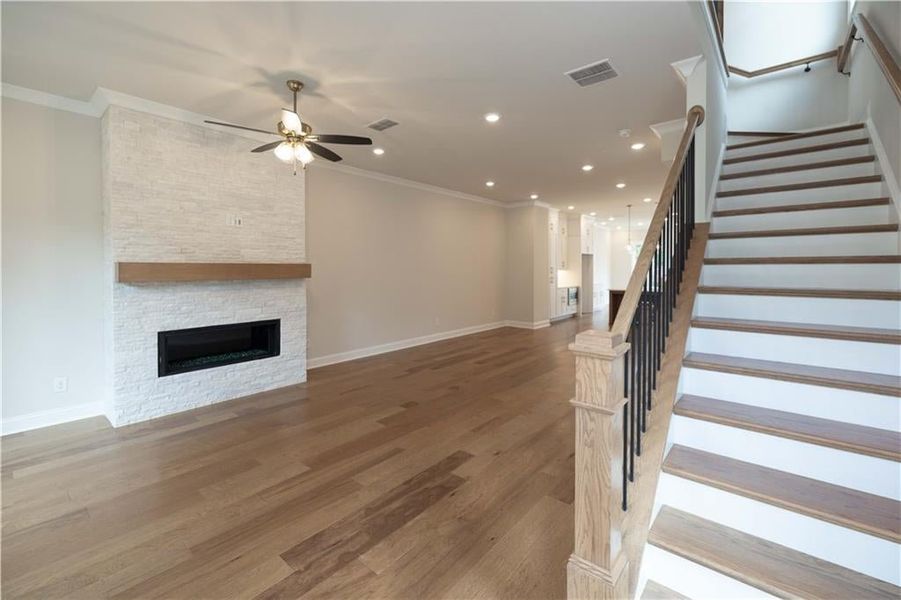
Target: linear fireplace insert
{"x":183,"y":350}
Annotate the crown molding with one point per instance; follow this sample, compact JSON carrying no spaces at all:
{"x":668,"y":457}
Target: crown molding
{"x":684,"y":68}
{"x":102,"y":98}
{"x":40,"y":98}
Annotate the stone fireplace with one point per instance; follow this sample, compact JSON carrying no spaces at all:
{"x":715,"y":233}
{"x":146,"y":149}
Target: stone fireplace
{"x":172,"y":190}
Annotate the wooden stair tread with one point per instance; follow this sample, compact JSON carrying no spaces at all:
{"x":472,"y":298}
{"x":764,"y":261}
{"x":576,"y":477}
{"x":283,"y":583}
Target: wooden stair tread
{"x":867,"y":513}
{"x":834,"y":332}
{"x":780,"y":208}
{"x":803,"y":185}
{"x":793,"y":151}
{"x":773,"y":568}
{"x":874,"y":383}
{"x":761,"y":133}
{"x":806,"y":260}
{"x":825,"y":164}
{"x":797,"y":136}
{"x":839,"y":230}
{"x":657,"y":591}
{"x":801,"y":292}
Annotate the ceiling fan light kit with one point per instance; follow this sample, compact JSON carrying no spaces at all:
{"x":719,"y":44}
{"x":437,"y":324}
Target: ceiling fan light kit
{"x":299,"y":143}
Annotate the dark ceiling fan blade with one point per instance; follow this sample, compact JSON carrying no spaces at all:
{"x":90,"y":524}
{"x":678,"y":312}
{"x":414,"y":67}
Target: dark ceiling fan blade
{"x":322,"y":151}
{"x":330,"y":138}
{"x":241,"y":127}
{"x":265,"y":147}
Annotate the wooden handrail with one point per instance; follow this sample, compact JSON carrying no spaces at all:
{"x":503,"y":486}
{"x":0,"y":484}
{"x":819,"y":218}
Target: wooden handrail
{"x":629,"y":304}
{"x":786,"y":65}
{"x":881,"y":54}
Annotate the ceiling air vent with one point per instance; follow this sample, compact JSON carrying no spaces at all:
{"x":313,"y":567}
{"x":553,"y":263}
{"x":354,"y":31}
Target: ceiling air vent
{"x":382,"y":124}
{"x":593,"y":73}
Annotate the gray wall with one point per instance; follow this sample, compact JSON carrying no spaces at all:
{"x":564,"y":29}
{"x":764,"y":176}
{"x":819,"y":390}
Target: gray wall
{"x":52,"y":259}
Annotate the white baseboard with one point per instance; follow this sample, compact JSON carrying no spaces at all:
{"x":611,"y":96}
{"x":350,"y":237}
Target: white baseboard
{"x":888,"y":175}
{"x":528,"y":324}
{"x":45,"y":418}
{"x":331,"y":359}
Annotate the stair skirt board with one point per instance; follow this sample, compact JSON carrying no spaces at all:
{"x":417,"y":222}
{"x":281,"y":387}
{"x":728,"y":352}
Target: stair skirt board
{"x":836,"y":354}
{"x":839,"y":467}
{"x":843,"y":311}
{"x":867,"y":554}
{"x":864,"y":276}
{"x":692,"y":579}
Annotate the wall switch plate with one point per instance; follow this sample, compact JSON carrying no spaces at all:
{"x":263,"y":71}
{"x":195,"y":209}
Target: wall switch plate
{"x":60,"y":384}
{"x":234,"y":220}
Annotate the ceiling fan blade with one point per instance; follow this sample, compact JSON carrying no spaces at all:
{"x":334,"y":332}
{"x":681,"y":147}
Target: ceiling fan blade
{"x":329,"y":138}
{"x":265,"y":147}
{"x":241,"y":127}
{"x":322,"y":151}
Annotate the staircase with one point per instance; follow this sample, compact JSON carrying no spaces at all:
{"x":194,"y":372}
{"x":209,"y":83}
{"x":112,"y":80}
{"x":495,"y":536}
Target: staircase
{"x":782,"y":475}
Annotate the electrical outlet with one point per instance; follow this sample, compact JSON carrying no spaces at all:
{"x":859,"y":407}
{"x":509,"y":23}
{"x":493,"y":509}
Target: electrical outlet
{"x":60,"y":384}
{"x":233,"y":220}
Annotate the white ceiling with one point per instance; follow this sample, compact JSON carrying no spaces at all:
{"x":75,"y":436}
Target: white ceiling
{"x":436,"y":68}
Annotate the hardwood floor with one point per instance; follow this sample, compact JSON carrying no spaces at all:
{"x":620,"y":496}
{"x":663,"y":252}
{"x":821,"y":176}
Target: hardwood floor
{"x":443,"y":471}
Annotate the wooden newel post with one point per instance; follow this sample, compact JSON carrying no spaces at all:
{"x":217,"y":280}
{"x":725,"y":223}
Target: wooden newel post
{"x":598,"y":566}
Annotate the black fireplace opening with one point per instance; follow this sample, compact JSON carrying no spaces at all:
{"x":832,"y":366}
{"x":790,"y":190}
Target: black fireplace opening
{"x":184,"y":350}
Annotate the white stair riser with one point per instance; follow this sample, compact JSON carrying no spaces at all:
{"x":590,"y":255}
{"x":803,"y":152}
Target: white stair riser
{"x":691,"y":579}
{"x":829,"y":138}
{"x":852,"y":549}
{"x":834,"y":354}
{"x":838,"y":276}
{"x":856,"y":191}
{"x":845,"y":244}
{"x":854,"y":170}
{"x":798,"y":159}
{"x":835,"y":311}
{"x":856,"y":408}
{"x":830,"y":217}
{"x":857,"y":471}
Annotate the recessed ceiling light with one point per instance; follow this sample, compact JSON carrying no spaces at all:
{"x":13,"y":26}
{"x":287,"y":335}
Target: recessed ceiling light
{"x":625,"y":133}
{"x":640,"y":223}
{"x":593,"y":214}
{"x":610,"y":218}
{"x":618,"y":228}
{"x":603,"y":224}
{"x":378,"y":151}
{"x":492,"y":117}
{"x":489,"y":183}
{"x":570,"y":207}
{"x":534,"y":196}
{"x":637,"y":146}
{"x":647,"y":200}
{"x":587,"y":168}
{"x":620,"y":185}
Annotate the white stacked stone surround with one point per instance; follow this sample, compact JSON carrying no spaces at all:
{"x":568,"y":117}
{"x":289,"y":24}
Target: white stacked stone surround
{"x":168,"y":189}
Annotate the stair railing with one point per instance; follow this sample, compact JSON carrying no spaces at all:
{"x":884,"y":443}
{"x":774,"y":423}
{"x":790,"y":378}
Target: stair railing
{"x":616,"y":372}
{"x":881,"y":53}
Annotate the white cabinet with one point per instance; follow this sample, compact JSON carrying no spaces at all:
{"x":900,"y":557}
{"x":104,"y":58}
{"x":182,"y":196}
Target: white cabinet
{"x":561,"y":244}
{"x":586,"y":234}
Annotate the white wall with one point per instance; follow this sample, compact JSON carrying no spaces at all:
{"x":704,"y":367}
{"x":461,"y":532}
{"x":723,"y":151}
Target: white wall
{"x":869,"y":95}
{"x":52,"y":261}
{"x":394,"y":261}
{"x":790,"y":100}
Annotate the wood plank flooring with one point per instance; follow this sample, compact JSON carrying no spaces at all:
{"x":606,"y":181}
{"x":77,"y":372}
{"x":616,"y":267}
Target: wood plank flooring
{"x":443,"y":471}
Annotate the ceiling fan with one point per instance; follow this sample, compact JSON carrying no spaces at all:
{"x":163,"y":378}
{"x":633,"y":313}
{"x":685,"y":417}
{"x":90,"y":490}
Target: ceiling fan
{"x":299,"y":143}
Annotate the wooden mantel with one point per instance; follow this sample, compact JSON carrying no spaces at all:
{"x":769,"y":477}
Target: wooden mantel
{"x":160,"y":272}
